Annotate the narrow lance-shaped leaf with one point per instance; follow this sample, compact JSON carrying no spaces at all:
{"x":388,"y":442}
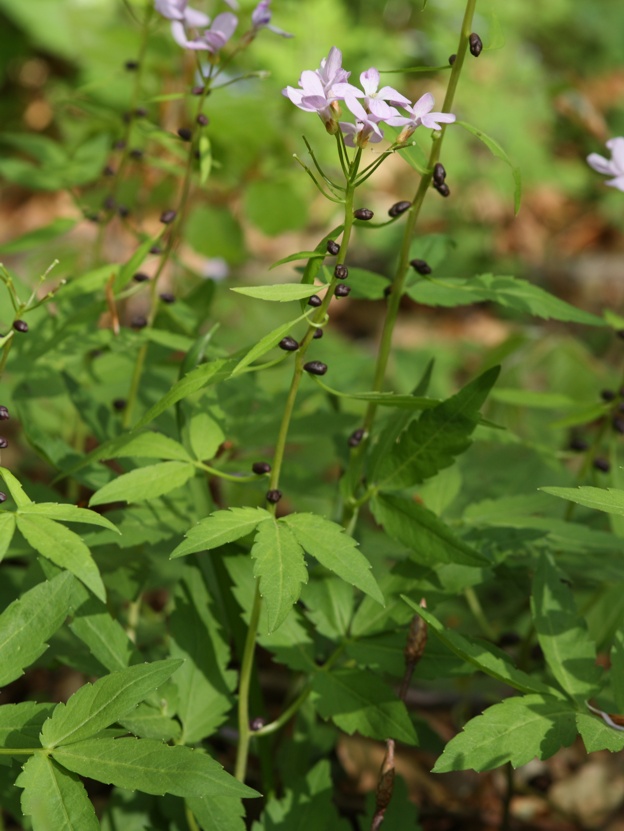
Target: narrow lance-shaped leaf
{"x":486,"y":657}
{"x":145,"y":483}
{"x":28,"y":622}
{"x":280,"y":293}
{"x":15,"y":488}
{"x":64,"y":548}
{"x":609,"y":500}
{"x":516,"y":730}
{"x":96,"y":706}
{"x":280,"y":566}
{"x":328,"y":543}
{"x":220,"y":528}
{"x":53,"y":798}
{"x":68,"y":513}
{"x":265,"y":344}
{"x":562,"y":633}
{"x":150,"y":766}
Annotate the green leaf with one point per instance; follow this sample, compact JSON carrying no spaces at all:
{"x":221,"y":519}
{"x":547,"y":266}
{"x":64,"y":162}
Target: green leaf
{"x":128,"y":270}
{"x":7,"y":529}
{"x":508,"y":292}
{"x":20,"y":724}
{"x":205,"y":436}
{"x":440,"y":434}
{"x":496,"y":150}
{"x":281,"y":568}
{"x":486,"y":657}
{"x":517,"y":730}
{"x":301,"y":255}
{"x":144,"y":483}
{"x":609,"y":500}
{"x":202,"y":376}
{"x":205,"y":159}
{"x":96,"y":706}
{"x":147,"y":445}
{"x":329,"y":605}
{"x":384,"y":399}
{"x":617,"y":670}
{"x":28,"y":622}
{"x":54,"y":799}
{"x":274,"y":206}
{"x":562,"y":633}
{"x":150,"y":766}
{"x":367,"y":285}
{"x":597,"y":735}
{"x":328,"y":543}
{"x":67,"y":513}
{"x":219,"y":528}
{"x":431,"y":540}
{"x":280,"y":293}
{"x":531,"y":398}
{"x":357,"y":700}
{"x":33,"y":239}
{"x":148,"y":722}
{"x":63,"y":547}
{"x":218,"y":813}
{"x":266,"y":343}
{"x":105,"y":637}
{"x":15,"y":489}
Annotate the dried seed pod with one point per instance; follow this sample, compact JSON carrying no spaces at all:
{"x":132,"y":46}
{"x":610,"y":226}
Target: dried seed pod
{"x":364,"y":214}
{"x":315,"y":300}
{"x":273,"y":496}
{"x":167,"y":297}
{"x":4,"y":414}
{"x":443,"y":189}
{"x":416,"y":640}
{"x":476,"y":45}
{"x":332,"y":247}
{"x":20,"y":326}
{"x":288,"y":344}
{"x":315,"y":368}
{"x":318,"y":333}
{"x":602,"y":464}
{"x":439,"y":173}
{"x":167,"y":217}
{"x":140,"y":277}
{"x":420,"y":266}
{"x":3,"y":442}
{"x":341,"y":290}
{"x":341,"y":272}
{"x":356,"y":437}
{"x":399,"y":208}
{"x":261,"y":468}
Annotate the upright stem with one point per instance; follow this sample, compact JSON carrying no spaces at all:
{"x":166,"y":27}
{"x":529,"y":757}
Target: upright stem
{"x":357,"y":454}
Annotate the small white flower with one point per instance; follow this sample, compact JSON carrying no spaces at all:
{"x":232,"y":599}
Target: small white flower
{"x":613,"y":167}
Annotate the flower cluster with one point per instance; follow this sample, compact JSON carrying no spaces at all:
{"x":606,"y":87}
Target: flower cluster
{"x":322,"y":90}
{"x":215,"y":35}
{"x":613,"y":167}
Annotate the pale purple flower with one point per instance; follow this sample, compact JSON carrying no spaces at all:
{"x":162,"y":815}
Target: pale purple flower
{"x":366,"y":127}
{"x":261,"y":19}
{"x":179,"y":10}
{"x":213,"y":39}
{"x":331,"y":71}
{"x":419,"y":114}
{"x":613,"y":167}
{"x":374,"y":98}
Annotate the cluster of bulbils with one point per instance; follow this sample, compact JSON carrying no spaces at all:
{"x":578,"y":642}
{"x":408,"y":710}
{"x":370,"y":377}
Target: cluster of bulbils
{"x":321,"y":91}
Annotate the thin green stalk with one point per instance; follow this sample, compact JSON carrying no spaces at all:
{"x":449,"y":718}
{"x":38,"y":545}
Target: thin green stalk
{"x":350,"y":510}
{"x":477,"y":610}
{"x":5,"y":354}
{"x":190,"y":819}
{"x":244,"y":729}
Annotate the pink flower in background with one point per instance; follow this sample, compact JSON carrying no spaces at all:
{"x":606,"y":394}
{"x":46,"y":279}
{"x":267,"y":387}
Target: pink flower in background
{"x":613,"y":167}
{"x":261,"y":19}
{"x":179,"y":10}
{"x":221,"y":30}
{"x":419,"y":114}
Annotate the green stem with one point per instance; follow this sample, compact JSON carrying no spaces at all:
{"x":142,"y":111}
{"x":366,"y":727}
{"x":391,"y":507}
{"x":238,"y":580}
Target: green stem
{"x":190,"y":819}
{"x":5,"y":354}
{"x":286,"y":716}
{"x":356,"y":460}
{"x":477,"y":610}
{"x":244,"y":729}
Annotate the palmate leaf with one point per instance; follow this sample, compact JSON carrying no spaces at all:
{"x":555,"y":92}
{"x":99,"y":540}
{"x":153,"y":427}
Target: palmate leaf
{"x":148,"y":722}
{"x":96,"y":706}
{"x":562,"y":633}
{"x":20,"y":724}
{"x":494,"y":662}
{"x":150,"y":766}
{"x":280,"y":566}
{"x":53,"y":798}
{"x":63,"y":547}
{"x":516,"y":731}
{"x":28,"y":622}
{"x":105,"y":637}
{"x":328,"y":543}
{"x":357,"y":700}
{"x":15,"y":489}
{"x":145,"y":483}
{"x":431,"y":540}
{"x":440,"y":434}
{"x":7,"y":529}
{"x":597,"y":735}
{"x":609,"y":500}
{"x":218,"y":813}
{"x":220,"y":528}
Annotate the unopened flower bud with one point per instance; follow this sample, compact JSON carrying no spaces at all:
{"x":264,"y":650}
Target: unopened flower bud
{"x":315,"y":300}
{"x":443,"y":189}
{"x":315,"y":368}
{"x":20,"y":326}
{"x":3,"y":443}
{"x":167,"y":297}
{"x":341,"y":290}
{"x":333,"y":247}
{"x":318,"y":333}
{"x":273,"y":496}
{"x":364,"y":214}
{"x":416,"y":639}
{"x":399,"y":208}
{"x":185,"y":134}
{"x":341,"y":272}
{"x":288,"y":344}
{"x":476,"y":45}
{"x":4,"y":414}
{"x":261,"y":468}
{"x":439,"y":173}
{"x":420,"y":266}
{"x":167,"y":217}
{"x":140,"y":277}
{"x":602,"y":464}
{"x":356,"y":437}
{"x":3,"y":497}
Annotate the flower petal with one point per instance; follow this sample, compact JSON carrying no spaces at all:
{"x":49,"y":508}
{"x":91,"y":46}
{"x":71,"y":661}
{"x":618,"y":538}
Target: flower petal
{"x":616,"y":146}
{"x":601,"y":165}
{"x":381,"y":110}
{"x":225,"y":23}
{"x":423,"y":106}
{"x":392,"y":96}
{"x":171,"y":9}
{"x":333,"y":64}
{"x":618,"y":183}
{"x":356,"y":108}
{"x":370,"y":81}
{"x":433,"y":120}
{"x":311,"y":83}
{"x":342,"y":90}
{"x":194,"y":18}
